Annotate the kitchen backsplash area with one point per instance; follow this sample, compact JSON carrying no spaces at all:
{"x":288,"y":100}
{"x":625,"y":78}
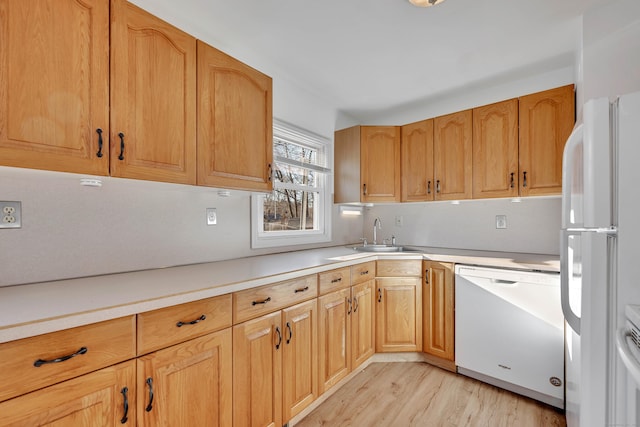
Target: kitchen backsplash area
{"x":532,"y":225}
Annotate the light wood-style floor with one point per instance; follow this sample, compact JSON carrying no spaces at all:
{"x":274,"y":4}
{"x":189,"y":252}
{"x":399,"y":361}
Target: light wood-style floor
{"x":418,"y":394}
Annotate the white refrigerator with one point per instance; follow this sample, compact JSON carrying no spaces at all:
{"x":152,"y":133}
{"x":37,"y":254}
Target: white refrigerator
{"x":600,"y":263}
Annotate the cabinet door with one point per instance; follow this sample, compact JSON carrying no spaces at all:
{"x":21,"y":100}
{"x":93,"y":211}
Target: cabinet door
{"x":54,"y":85}
{"x":453,"y":151}
{"x":495,"y":150}
{"x":438,"y":310}
{"x":363,"y":335}
{"x":187,"y":384}
{"x":380,"y":163}
{"x":417,"y":161}
{"x":103,"y":398}
{"x":235,"y":129}
{"x":257,"y":372}
{"x":546,"y":121}
{"x":300,"y":357}
{"x":153,"y":97}
{"x":398,"y":314}
{"x":334,"y":335}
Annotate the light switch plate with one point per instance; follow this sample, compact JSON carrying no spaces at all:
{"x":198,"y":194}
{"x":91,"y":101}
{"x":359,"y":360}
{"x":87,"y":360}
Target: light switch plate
{"x":212,"y":216}
{"x":501,"y":221}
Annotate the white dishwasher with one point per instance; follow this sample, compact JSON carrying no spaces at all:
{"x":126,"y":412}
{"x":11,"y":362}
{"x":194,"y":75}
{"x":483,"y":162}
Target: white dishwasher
{"x":509,"y":330}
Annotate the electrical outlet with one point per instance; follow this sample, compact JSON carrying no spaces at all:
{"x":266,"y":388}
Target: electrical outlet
{"x":399,"y":220}
{"x":212,"y":216}
{"x":10,"y":214}
{"x":501,"y":221}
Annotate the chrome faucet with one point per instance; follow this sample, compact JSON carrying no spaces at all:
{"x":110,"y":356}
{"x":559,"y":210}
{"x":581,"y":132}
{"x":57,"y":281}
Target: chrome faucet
{"x":376,"y":223}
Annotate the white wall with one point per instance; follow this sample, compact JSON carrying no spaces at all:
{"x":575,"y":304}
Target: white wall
{"x":533,"y":225}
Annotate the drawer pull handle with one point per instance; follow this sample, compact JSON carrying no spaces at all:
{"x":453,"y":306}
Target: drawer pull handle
{"x":363,"y":273}
{"x":339,"y":279}
{"x":41,"y":362}
{"x":126,"y":405}
{"x":306,"y":288}
{"x":264,"y":301}
{"x":150,"y":405}
{"x":193,"y":322}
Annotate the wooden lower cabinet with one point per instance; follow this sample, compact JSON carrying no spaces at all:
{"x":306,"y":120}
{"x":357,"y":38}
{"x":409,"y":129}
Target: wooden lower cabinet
{"x":398,"y":314}
{"x":438,"y":310}
{"x":334,"y":336}
{"x":103,"y":398}
{"x":188,"y":383}
{"x":363,"y":333}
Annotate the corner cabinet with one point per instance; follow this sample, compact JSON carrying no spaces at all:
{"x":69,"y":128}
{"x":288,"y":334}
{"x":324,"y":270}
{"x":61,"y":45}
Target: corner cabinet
{"x":367,"y":164}
{"x":438,"y":313}
{"x":546,"y":121}
{"x":398,"y":306}
{"x":417,"y":162}
{"x":453,"y":152}
{"x":495,"y":150}
{"x":235,"y":124}
{"x":50,"y":109}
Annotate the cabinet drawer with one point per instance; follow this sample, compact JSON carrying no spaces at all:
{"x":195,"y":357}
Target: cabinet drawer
{"x":265,"y":299}
{"x":172,"y":325}
{"x":23,"y":363}
{"x":333,"y":280}
{"x":399,"y":268}
{"x":362,"y":272}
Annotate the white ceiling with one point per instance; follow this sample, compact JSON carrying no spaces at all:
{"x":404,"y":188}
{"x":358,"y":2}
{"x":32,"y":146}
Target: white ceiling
{"x":366,"y":56}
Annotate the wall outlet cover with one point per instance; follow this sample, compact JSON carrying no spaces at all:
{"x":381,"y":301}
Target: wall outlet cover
{"x":501,"y":221}
{"x":212,"y":216}
{"x":10,"y":214}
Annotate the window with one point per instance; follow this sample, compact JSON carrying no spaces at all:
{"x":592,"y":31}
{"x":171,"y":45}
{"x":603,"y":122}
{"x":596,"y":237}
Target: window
{"x":298,"y":211}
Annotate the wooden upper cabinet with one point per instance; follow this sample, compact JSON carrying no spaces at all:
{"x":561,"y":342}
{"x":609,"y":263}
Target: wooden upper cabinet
{"x":54,"y":84}
{"x":546,"y":121}
{"x":452,"y":151}
{"x":367,"y":164}
{"x":235,"y":123}
{"x":495,"y":150}
{"x":380,"y":163}
{"x":417,"y":161}
{"x":153,"y":97}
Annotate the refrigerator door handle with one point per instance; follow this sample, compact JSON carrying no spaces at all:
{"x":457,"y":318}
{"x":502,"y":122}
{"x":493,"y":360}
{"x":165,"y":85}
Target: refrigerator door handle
{"x":611,"y":231}
{"x":575,"y":139}
{"x":572,"y":319}
{"x":630,"y":362}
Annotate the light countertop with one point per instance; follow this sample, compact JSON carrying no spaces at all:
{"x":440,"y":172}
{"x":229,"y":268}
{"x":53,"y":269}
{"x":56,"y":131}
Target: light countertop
{"x":34,"y":309}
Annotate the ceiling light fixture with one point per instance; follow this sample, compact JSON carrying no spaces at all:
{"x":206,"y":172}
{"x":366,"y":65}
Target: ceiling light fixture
{"x":425,"y":3}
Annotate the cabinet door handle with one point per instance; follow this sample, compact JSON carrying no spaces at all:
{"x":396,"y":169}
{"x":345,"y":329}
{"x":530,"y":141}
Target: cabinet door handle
{"x":99,"y":132}
{"x":121,"y":156}
{"x":125,"y":417}
{"x":270,"y":173}
{"x":524,"y":179}
{"x":379,"y":295}
{"x":512,"y":179}
{"x":355,"y":304}
{"x":438,"y":186}
{"x":350,"y":306}
{"x":41,"y":362}
{"x":429,"y":187}
{"x":339,"y":279}
{"x":306,"y":288}
{"x":150,"y":405}
{"x":264,"y":301}
{"x":290,"y":332}
{"x":193,"y":322}
{"x":426,"y":276}
{"x":279,"y":334}
{"x":364,"y":189}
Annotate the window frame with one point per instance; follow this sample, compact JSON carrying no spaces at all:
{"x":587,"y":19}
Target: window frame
{"x":322,"y":205}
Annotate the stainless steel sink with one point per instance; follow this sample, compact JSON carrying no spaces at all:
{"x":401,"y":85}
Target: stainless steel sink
{"x":382,"y":248}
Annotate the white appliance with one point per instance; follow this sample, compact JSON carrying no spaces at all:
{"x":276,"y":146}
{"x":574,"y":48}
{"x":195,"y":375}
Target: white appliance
{"x":600,"y":267}
{"x":510,"y":330}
